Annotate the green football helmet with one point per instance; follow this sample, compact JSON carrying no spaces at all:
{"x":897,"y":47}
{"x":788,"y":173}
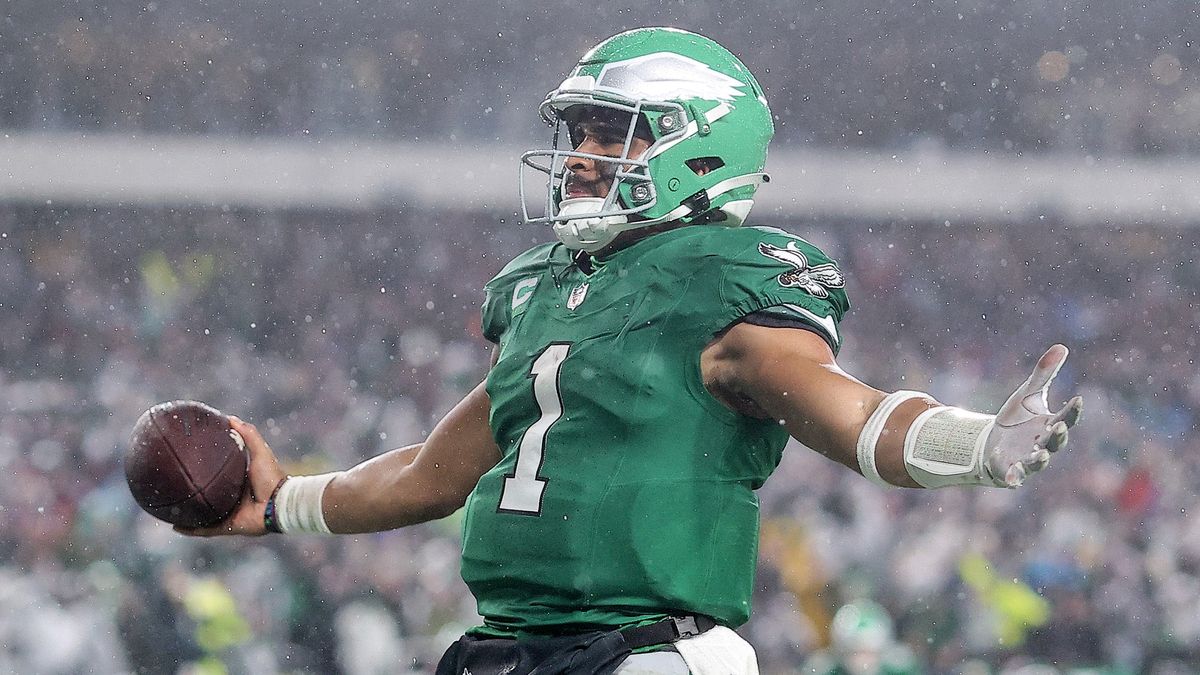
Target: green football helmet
{"x":861,"y":626}
{"x":702,"y":112}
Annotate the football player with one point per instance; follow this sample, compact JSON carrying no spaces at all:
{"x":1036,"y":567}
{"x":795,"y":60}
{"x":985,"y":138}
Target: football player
{"x":649,"y":366}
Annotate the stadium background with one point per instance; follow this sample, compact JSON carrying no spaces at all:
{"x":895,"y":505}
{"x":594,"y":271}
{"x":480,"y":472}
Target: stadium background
{"x":288,"y":211}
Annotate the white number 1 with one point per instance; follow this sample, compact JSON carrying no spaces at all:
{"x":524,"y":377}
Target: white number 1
{"x":522,"y":491}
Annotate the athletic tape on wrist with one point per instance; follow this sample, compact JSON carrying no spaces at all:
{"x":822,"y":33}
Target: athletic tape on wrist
{"x":298,"y":504}
{"x":945,"y":446}
{"x":868,"y":438}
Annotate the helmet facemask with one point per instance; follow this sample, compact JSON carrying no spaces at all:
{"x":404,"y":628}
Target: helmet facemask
{"x":590,"y":223}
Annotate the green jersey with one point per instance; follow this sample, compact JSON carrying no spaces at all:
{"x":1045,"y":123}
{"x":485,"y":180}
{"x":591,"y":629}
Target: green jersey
{"x":625,"y":491}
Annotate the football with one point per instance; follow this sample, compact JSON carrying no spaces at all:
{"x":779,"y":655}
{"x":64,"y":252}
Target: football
{"x":185,"y":465}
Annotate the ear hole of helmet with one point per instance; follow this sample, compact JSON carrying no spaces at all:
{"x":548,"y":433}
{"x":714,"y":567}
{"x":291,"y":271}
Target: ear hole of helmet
{"x":703,"y":165}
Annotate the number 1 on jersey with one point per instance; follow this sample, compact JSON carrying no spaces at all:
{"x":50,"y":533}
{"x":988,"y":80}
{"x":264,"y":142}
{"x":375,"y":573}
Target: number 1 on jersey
{"x":522,"y":491}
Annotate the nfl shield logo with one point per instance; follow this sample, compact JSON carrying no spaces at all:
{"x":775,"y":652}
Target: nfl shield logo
{"x":577,"y":295}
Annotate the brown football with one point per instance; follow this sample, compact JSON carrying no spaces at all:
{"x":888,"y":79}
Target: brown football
{"x":185,"y":465}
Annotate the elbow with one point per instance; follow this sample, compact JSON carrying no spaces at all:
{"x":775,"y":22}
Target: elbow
{"x":445,"y":504}
{"x":439,"y":500}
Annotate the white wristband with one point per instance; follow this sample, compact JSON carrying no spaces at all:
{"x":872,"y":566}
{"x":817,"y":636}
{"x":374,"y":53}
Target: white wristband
{"x":298,"y":504}
{"x":945,"y":446}
{"x":868,"y":438}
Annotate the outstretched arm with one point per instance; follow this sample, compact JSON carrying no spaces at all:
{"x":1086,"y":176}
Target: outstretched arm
{"x":418,"y":483}
{"x":904,"y":438}
{"x":407,"y":485}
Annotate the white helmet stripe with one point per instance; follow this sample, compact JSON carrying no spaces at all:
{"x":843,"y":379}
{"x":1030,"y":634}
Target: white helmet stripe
{"x":735,"y":183}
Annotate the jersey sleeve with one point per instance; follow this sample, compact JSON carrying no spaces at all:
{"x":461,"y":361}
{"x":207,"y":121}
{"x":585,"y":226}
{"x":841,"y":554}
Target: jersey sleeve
{"x":495,"y":315}
{"x":782,"y":317}
{"x":780,"y":275}
{"x":507,"y":294}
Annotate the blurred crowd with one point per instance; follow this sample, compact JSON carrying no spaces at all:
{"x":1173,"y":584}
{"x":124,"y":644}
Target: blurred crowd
{"x":343,"y":334}
{"x":1019,"y":76}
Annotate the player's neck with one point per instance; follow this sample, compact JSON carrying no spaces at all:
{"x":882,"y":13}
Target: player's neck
{"x":630,"y":237}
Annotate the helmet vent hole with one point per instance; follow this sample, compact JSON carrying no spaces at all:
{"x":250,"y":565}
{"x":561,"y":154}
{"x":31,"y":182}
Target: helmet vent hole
{"x":703,"y":165}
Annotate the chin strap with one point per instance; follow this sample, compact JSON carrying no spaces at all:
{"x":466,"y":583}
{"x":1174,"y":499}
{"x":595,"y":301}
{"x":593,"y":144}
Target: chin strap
{"x":581,"y":225}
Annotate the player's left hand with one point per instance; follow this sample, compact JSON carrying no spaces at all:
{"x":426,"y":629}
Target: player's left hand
{"x":1026,"y":432}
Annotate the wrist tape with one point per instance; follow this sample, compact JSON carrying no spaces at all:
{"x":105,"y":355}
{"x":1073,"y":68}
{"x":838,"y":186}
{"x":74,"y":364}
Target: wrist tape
{"x":945,"y":446}
{"x":298,"y":504}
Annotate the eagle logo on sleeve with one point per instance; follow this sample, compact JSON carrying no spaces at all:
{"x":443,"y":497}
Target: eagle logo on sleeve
{"x":814,"y":280}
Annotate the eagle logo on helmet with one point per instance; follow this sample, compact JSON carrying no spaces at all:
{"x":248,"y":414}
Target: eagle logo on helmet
{"x":665,"y":76}
{"x":814,"y":280}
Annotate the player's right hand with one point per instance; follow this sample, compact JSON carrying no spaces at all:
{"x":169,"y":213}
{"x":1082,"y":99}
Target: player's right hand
{"x":1026,"y":431}
{"x":265,"y":475}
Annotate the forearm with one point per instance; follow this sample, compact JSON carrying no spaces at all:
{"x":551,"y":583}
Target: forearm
{"x":372,"y":496}
{"x":401,"y":487}
{"x":831,"y":413}
{"x":383,"y":493}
